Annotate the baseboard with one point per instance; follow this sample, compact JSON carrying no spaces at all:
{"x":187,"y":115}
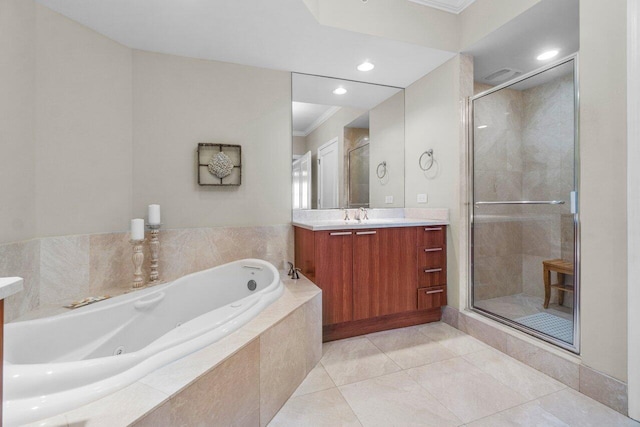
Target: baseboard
{"x":558,"y":364}
{"x":391,"y":321}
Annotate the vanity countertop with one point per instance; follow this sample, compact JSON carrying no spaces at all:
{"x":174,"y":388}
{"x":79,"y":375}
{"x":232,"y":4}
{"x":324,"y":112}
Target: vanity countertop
{"x":10,"y":286}
{"x":324,"y":225}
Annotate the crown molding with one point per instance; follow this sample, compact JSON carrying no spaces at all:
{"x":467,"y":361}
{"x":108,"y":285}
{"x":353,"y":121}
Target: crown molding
{"x":316,"y":124}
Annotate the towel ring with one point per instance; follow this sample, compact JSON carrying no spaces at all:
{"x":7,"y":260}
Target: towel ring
{"x":428,"y":153}
{"x":382,"y":174}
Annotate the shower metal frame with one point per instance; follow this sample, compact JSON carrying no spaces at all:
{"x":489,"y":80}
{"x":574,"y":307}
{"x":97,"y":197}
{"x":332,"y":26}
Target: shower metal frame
{"x":575,"y":346}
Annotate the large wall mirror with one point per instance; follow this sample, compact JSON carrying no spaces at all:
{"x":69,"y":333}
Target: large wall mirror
{"x":348,"y":144}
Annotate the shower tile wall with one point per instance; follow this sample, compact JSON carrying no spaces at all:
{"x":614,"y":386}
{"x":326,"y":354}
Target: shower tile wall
{"x":498,"y":170}
{"x":547,"y":139}
{"x":352,"y":138}
{"x":525,"y":153}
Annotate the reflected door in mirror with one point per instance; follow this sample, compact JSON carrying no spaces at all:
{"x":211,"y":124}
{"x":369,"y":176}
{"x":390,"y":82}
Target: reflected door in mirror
{"x":328,"y":175}
{"x":302,"y":182}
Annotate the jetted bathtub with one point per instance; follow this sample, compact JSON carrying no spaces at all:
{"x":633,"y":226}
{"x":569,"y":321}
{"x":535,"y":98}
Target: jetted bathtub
{"x":56,"y":364}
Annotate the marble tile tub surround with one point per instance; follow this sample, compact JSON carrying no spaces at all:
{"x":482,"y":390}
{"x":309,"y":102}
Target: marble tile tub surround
{"x":433,"y":375}
{"x":556,"y":363}
{"x":241,"y":380}
{"x":58,"y":270}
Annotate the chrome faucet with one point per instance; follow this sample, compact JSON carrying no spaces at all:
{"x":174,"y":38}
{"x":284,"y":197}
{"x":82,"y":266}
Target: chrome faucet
{"x":346,"y":215}
{"x":362,"y":214}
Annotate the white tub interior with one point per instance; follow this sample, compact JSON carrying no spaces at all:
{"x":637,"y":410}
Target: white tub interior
{"x":58,"y":363}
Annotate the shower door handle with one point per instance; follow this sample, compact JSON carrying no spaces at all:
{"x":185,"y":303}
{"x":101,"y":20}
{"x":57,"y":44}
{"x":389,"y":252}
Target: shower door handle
{"x":523,"y":202}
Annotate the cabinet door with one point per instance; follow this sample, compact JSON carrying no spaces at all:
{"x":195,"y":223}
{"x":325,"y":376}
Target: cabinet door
{"x":367,"y":295}
{"x":305,"y":252}
{"x":397,"y":262}
{"x":334,"y":260}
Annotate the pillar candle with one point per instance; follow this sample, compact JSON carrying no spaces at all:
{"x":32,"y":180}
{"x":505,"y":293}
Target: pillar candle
{"x":137,"y":229}
{"x":154,"y":214}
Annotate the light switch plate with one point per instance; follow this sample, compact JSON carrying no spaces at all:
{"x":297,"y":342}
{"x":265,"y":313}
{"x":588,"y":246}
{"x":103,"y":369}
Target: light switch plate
{"x":388,"y":199}
{"x":422,"y":198}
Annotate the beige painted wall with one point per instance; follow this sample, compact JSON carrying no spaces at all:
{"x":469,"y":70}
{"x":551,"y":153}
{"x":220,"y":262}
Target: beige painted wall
{"x":331,"y":128}
{"x":67,"y":131}
{"x":83,"y":129}
{"x":414,"y":23}
{"x":484,"y":16}
{"x":299,"y":145}
{"x":17,"y":120}
{"x":386,"y":130}
{"x":433,"y":113}
{"x":179,"y":102}
{"x":603,"y":186}
{"x":399,"y":20}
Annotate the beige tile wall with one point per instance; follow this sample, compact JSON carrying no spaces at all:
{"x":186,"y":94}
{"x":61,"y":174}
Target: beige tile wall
{"x":498,"y":170}
{"x":61,"y":269}
{"x":526,"y":152}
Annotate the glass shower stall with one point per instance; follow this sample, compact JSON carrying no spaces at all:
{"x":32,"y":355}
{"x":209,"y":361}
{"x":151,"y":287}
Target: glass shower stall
{"x":524,"y":235}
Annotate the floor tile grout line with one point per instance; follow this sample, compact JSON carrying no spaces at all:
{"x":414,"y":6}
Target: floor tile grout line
{"x":506,"y":409}
{"x":525,"y":367}
{"x":385,"y":353}
{"x":376,"y":376}
{"x":517,"y":406}
{"x":350,"y":407}
{"x":324,"y":389}
{"x":436,"y":397}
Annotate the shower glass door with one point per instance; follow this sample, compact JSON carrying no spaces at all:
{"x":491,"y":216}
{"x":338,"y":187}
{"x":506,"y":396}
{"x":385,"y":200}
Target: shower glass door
{"x":524,"y":220}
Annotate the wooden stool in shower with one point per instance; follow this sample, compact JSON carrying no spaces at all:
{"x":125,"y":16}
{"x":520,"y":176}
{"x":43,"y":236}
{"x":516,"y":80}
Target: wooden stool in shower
{"x":561,"y":267}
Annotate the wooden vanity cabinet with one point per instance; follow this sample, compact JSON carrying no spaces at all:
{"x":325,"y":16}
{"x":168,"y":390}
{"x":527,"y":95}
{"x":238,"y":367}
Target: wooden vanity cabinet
{"x":368,"y":276}
{"x":383,"y":262}
{"x":334,"y":269}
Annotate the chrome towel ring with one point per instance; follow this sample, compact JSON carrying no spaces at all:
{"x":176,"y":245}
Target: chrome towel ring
{"x":383,"y":173}
{"x":429,"y":154}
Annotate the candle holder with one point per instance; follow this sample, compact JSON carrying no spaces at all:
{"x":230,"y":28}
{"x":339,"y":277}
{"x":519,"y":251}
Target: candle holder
{"x":137,"y":258}
{"x":154,"y":246}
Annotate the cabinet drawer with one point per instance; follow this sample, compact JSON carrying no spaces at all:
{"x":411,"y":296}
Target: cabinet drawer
{"x":432,"y":297}
{"x":432,"y":236}
{"x":428,"y":277}
{"x":432,"y":257}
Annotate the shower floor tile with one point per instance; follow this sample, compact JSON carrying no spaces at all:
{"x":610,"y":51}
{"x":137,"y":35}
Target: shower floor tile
{"x":472,"y":384}
{"x":521,"y":305}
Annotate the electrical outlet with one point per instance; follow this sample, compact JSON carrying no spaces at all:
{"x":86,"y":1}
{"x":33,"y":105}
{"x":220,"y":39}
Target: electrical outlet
{"x":388,"y":199}
{"x":422,"y":198}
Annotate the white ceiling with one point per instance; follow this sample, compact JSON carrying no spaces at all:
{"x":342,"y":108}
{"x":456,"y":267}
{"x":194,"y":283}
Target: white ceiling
{"x":551,"y":24}
{"x":276,"y":34}
{"x":307,"y":117}
{"x":314,"y":101}
{"x":453,"y":6}
{"x":319,"y":90}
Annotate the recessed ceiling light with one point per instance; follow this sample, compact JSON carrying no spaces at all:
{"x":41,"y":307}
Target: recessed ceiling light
{"x":366,"y":66}
{"x":547,"y":55}
{"x":482,"y":126}
{"x":340,"y":91}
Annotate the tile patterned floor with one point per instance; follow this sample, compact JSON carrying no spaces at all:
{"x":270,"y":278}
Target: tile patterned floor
{"x":433,"y":375}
